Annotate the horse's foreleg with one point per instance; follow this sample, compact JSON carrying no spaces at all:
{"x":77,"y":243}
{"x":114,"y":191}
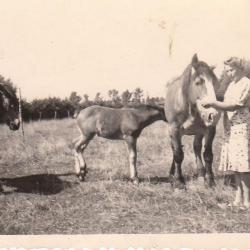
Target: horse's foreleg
{"x":197,"y":146}
{"x":131,"y":146}
{"x":208,"y":155}
{"x":80,"y":164}
{"x":178,"y":153}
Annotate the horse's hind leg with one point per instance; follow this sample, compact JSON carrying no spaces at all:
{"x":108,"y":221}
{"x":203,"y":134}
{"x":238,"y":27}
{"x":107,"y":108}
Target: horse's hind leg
{"x":197,"y":146}
{"x":208,"y":155}
{"x":131,"y":146}
{"x":80,"y":164}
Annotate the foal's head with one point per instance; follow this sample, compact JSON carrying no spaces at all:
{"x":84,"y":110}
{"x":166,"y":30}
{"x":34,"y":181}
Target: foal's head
{"x":203,"y":84}
{"x":9,"y":107}
{"x":156,"y":112}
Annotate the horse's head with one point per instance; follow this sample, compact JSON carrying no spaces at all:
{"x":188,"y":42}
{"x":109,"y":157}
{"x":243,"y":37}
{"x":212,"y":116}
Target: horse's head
{"x":9,"y":107}
{"x":155,"y":112}
{"x":203,"y":84}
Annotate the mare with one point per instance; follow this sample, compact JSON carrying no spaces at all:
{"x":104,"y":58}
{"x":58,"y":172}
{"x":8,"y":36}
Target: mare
{"x":110,"y":123}
{"x":9,"y":112}
{"x":186,"y":116}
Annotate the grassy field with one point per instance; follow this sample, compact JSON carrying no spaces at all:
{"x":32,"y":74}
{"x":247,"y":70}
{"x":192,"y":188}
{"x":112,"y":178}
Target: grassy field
{"x":43,"y":196}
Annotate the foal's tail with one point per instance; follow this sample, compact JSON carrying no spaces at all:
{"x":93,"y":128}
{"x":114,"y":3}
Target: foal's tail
{"x":76,"y":113}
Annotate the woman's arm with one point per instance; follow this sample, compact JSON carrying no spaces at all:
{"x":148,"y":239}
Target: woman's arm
{"x":223,"y":106}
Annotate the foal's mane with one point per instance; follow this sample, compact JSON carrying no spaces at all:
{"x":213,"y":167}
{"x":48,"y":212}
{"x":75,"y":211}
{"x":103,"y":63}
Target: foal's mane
{"x":145,"y":107}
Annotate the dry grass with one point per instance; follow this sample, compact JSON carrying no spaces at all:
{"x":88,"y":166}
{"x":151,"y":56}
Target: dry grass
{"x":42,"y":195}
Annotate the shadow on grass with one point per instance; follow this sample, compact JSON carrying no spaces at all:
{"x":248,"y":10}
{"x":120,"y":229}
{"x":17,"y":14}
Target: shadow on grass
{"x":155,"y":179}
{"x":44,"y":184}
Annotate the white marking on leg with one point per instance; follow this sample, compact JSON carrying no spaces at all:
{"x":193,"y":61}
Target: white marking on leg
{"x":132,"y":162}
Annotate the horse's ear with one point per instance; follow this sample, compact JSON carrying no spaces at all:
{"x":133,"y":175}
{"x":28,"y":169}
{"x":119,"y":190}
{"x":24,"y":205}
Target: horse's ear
{"x":195,"y":60}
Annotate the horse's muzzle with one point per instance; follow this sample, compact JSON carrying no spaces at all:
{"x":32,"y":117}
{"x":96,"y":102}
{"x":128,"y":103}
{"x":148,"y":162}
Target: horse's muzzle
{"x":14,"y":125}
{"x":210,"y":116}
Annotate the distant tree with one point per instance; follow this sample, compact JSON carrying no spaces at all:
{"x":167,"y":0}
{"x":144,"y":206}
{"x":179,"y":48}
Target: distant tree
{"x":38,"y":106}
{"x":26,"y":110}
{"x":75,"y":99}
{"x":85,"y":102}
{"x":126,"y":97}
{"x":114,"y":97}
{"x":68,"y":108}
{"x":98,"y":99}
{"x":137,"y":96}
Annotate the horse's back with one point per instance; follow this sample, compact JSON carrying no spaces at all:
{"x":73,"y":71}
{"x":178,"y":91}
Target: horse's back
{"x":103,"y":121}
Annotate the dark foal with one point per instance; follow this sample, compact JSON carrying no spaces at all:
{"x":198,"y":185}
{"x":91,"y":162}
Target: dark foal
{"x":186,"y":116}
{"x":122,"y":124}
{"x":9,"y":112}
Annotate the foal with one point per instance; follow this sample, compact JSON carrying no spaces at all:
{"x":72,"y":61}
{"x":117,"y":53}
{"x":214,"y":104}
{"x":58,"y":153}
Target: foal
{"x":122,"y":124}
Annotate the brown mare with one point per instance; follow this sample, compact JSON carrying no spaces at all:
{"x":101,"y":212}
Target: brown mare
{"x":9,"y":112}
{"x":187,"y":117}
{"x":122,"y":124}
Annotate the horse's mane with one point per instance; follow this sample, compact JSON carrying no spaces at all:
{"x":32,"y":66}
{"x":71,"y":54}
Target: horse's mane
{"x":8,"y":90}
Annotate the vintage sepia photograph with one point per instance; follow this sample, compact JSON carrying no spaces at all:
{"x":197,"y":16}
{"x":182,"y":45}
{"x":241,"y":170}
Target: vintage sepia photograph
{"x":125,"y":118}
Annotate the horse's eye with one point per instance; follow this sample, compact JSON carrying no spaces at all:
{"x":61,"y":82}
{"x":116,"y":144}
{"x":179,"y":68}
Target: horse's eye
{"x":199,"y":81}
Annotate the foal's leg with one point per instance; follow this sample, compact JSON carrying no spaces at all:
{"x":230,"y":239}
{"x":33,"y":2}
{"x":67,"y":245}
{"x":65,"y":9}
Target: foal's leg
{"x":172,"y":172}
{"x":80,"y":164}
{"x":197,"y":146}
{"x":208,"y":155}
{"x":178,"y":153}
{"x":131,"y":146}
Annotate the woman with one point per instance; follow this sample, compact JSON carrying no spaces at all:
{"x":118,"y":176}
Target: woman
{"x":235,"y":155}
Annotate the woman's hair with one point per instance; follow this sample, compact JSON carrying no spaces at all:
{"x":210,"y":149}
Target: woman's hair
{"x":240,"y":64}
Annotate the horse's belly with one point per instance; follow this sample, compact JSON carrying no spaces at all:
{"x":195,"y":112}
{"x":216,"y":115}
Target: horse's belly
{"x":109,"y":132}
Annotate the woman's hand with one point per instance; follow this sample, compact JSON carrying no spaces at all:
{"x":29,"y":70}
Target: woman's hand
{"x":207,"y":102}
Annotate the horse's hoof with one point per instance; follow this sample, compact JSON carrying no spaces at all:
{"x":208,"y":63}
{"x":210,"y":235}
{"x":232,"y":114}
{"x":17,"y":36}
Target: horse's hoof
{"x":136,"y":181}
{"x":172,"y":180}
{"x":179,"y":184}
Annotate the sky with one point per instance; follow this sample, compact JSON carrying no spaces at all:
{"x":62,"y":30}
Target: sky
{"x":51,"y":48}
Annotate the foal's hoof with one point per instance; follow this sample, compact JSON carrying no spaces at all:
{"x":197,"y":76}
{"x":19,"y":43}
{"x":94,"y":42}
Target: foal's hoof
{"x":136,"y":181}
{"x":81,"y":175}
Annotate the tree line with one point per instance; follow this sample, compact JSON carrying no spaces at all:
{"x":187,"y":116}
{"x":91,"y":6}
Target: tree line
{"x":57,"y":108}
